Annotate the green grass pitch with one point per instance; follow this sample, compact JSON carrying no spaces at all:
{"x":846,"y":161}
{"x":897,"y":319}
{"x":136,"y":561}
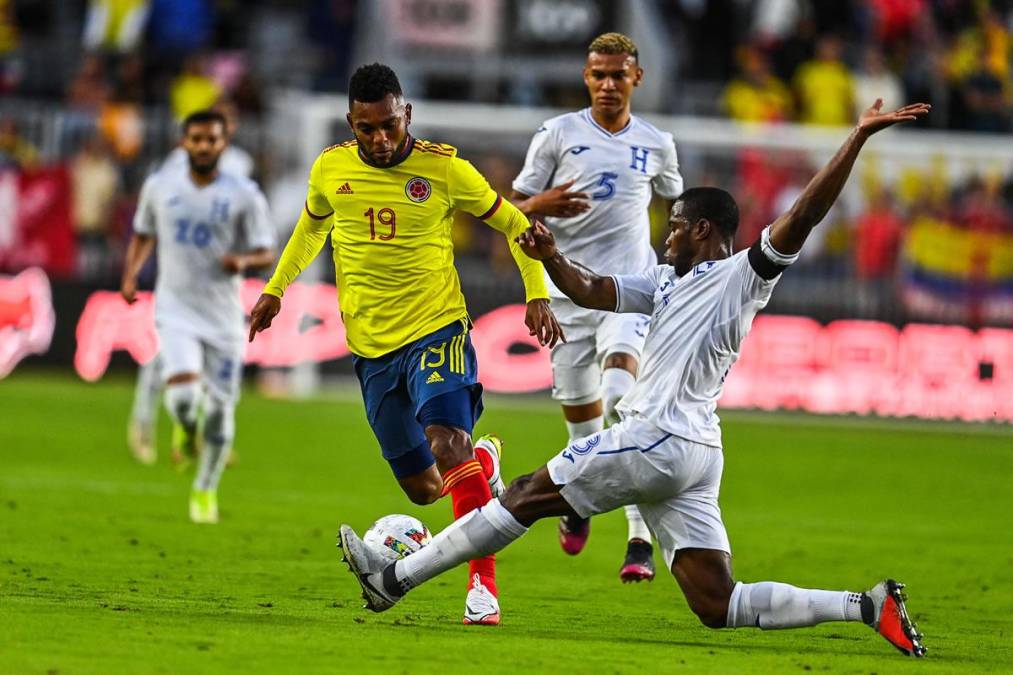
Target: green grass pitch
{"x":101,"y":572}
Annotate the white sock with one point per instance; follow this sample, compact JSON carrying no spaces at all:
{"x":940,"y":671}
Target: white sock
{"x":182,"y":400}
{"x":769,"y":605}
{"x":147,"y":393}
{"x":219,"y":430}
{"x":585,"y":428}
{"x":615,"y":383}
{"x":477,"y":534}
{"x":638,"y":528}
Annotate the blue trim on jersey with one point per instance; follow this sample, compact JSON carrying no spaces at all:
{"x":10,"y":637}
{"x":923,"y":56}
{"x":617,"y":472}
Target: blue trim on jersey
{"x":633,"y":447}
{"x":586,"y":112}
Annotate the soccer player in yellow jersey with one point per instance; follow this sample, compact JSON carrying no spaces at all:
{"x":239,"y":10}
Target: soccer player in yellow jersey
{"x":387,"y":200}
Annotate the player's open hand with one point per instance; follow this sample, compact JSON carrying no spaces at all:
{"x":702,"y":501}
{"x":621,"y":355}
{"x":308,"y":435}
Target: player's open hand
{"x":263,"y":313}
{"x":542,"y":324}
{"x":128,"y":289}
{"x":559,"y":202}
{"x":537,"y":242}
{"x":874,"y":119}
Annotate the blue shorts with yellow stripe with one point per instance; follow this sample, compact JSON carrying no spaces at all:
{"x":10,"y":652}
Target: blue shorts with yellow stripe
{"x":433,"y":380}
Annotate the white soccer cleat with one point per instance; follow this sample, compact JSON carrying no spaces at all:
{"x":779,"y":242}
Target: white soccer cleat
{"x":367,"y":566}
{"x":481,"y":608}
{"x":493,"y":445}
{"x":204,"y":506}
{"x":141,"y":439}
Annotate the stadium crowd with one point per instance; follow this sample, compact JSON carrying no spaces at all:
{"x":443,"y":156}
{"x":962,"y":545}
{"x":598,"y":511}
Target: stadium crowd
{"x":143,"y":63}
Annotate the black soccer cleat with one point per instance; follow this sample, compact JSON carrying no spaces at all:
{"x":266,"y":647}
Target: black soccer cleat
{"x":639,"y":563}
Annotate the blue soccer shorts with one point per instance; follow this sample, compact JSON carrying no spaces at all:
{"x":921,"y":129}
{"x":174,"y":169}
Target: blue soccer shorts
{"x":431,"y":381}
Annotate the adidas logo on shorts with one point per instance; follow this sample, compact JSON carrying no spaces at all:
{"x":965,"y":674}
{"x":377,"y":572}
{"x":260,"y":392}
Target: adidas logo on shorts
{"x":435,"y":377}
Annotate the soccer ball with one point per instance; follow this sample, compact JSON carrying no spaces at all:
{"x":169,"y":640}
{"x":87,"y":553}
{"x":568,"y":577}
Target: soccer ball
{"x":397,"y":536}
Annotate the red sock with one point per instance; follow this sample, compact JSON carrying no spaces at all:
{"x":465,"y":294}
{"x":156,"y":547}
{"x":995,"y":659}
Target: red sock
{"x":482,"y":455}
{"x":469,"y":489}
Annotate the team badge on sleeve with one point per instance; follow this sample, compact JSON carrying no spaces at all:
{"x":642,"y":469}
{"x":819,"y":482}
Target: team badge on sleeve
{"x":418,"y":189}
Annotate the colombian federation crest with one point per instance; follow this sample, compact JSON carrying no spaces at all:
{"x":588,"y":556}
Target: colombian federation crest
{"x":418,"y":189}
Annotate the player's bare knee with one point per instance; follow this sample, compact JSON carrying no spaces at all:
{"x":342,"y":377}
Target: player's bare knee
{"x":422,"y":489}
{"x":711,"y":612}
{"x":422,"y":496}
{"x":517,"y":493}
{"x":450,"y":446}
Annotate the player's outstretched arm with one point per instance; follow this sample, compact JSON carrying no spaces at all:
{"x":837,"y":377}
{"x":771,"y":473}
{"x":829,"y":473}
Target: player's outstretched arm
{"x":557,"y":202}
{"x":138,"y":250}
{"x":580,"y":284}
{"x":257,"y":259}
{"x":790,"y":230}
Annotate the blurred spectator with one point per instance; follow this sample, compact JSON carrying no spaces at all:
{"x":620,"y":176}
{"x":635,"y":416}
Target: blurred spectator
{"x":249,"y":96}
{"x":86,"y":95}
{"x":115,"y":25}
{"x":122,"y":126}
{"x":981,"y":208}
{"x":193,"y":90}
{"x":774,"y":21}
{"x":95,"y":182}
{"x":877,"y":240}
{"x":825,"y":88}
{"x":15,"y":151}
{"x":331,"y":27}
{"x":878,"y":233}
{"x":88,"y":90}
{"x":180,"y":27}
{"x":895,"y":19}
{"x":757,"y":95}
{"x":9,"y":65}
{"x":130,"y":78}
{"x":876,"y":81}
{"x":985,"y":99}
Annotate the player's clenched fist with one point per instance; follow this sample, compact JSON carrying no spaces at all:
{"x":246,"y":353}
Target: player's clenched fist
{"x":263,"y":313}
{"x":537,"y":242}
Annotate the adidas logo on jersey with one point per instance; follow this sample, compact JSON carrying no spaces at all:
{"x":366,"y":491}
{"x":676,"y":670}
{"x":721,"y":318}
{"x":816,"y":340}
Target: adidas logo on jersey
{"x":345,"y":189}
{"x":435,"y":377}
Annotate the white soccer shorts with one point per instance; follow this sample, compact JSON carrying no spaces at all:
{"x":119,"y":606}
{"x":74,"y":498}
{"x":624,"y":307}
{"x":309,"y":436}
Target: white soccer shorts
{"x":591,"y":335}
{"x":674,"y":482}
{"x":220,"y":366}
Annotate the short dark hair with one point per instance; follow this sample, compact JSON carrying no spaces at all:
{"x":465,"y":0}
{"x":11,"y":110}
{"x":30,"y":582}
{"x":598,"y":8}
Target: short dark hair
{"x":372,"y":83}
{"x":202,"y":117}
{"x":614,"y":43}
{"x":713,"y":204}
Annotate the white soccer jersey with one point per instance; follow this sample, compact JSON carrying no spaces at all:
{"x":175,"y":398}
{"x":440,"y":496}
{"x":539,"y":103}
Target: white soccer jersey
{"x":698,"y":322}
{"x":234,"y":160}
{"x":195,"y":227}
{"x":617,"y":171}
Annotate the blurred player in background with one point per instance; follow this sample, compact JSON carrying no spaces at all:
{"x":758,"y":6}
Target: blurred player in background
{"x":210,"y":226}
{"x":606,"y":163}
{"x":665,"y":453}
{"x":387,"y":200}
{"x":142,"y":428}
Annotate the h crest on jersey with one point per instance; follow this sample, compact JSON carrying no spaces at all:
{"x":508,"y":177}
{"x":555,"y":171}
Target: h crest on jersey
{"x":219,"y":210}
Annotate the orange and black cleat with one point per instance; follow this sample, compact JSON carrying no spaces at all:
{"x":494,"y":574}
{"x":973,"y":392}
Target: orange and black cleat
{"x":883,"y":609}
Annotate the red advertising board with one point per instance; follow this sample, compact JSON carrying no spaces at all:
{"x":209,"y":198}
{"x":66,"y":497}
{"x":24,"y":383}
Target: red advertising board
{"x":36,"y":229}
{"x":860,"y":367}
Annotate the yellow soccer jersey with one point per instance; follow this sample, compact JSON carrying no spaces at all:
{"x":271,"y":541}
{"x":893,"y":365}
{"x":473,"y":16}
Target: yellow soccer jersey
{"x":390,"y":231}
